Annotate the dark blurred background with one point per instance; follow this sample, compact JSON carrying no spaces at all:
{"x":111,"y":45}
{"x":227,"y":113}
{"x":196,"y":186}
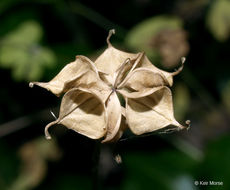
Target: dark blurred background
{"x":39,"y":37}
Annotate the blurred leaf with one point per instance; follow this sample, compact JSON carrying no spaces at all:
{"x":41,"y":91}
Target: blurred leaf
{"x":218,"y":19}
{"x":172,"y":45}
{"x":27,"y":33}
{"x":20,"y":50}
{"x":158,"y":171}
{"x":34,"y":155}
{"x":142,"y":35}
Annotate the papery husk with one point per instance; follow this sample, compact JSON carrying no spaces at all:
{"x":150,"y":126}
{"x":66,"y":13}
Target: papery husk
{"x":114,"y":111}
{"x":122,"y":128}
{"x":150,"y":113}
{"x":72,"y":71}
{"x":111,"y":59}
{"x":84,"y":112}
{"x":144,"y":62}
{"x":90,"y":81}
{"x":142,"y":78}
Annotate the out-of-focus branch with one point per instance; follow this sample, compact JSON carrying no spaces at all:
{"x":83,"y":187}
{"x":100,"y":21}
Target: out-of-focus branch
{"x":96,"y":18}
{"x":23,"y":122}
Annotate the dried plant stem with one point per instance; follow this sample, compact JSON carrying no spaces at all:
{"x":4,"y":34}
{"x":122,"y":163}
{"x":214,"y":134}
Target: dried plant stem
{"x":96,"y":161}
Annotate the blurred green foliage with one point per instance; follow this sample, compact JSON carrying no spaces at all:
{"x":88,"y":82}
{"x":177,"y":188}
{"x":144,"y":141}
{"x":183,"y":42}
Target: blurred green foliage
{"x":140,"y":37}
{"x":173,"y":169}
{"x":218,"y":19}
{"x":164,"y":170}
{"x":38,"y":38}
{"x":20,"y":50}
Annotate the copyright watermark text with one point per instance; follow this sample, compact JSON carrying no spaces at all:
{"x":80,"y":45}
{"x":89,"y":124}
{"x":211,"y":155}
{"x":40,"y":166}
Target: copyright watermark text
{"x":214,"y":183}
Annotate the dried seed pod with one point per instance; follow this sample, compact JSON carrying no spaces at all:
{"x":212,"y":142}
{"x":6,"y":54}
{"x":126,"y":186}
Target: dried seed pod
{"x":90,"y":105}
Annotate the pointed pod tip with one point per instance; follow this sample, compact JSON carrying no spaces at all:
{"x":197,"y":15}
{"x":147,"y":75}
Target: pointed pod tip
{"x":188,"y":123}
{"x":111,"y":32}
{"x":187,"y":126}
{"x":48,"y":137}
{"x":183,"y":59}
{"x":47,"y":134}
{"x":31,"y":84}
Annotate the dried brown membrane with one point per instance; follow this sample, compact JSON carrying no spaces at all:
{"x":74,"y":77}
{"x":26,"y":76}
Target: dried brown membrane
{"x":91,"y":107}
